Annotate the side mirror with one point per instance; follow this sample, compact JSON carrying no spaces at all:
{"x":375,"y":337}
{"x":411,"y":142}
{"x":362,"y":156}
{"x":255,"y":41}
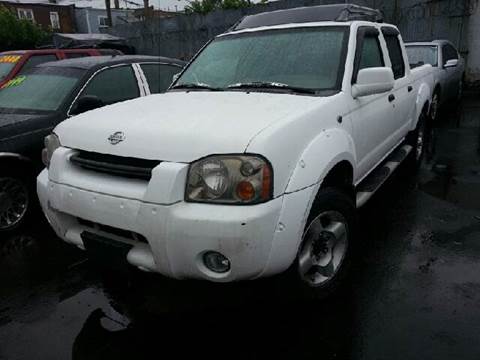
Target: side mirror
{"x":451,"y":63}
{"x":87,"y":103}
{"x":372,"y":81}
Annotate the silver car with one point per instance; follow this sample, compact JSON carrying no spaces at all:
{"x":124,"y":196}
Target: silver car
{"x":449,"y":68}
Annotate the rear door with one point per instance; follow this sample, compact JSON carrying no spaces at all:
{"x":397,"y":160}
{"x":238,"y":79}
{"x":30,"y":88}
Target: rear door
{"x":403,"y":91}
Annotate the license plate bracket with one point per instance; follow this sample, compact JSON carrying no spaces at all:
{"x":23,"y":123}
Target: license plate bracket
{"x":105,"y":251}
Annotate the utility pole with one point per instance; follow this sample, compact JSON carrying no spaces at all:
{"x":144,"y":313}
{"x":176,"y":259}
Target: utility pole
{"x":116,"y":4}
{"x":146,"y":9}
{"x":109,"y":13}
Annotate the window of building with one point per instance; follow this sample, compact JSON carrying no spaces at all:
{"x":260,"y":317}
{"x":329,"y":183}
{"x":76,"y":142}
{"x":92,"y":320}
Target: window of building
{"x":102,"y":21}
{"x":54,"y":20}
{"x":26,"y":14}
{"x":396,"y":56}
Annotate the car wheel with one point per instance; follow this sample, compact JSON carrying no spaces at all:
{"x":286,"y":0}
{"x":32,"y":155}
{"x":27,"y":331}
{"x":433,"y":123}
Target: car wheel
{"x":434,"y":106}
{"x":325,"y":253}
{"x":418,"y":140}
{"x":15,"y":201}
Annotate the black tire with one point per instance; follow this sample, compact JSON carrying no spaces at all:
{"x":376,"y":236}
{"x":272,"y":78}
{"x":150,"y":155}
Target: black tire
{"x":328,"y":200}
{"x":418,"y":139}
{"x":435,"y":106}
{"x":22,"y":182}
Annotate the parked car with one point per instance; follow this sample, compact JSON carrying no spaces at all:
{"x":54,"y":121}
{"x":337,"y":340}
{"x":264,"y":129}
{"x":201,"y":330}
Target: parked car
{"x":257,"y":158}
{"x":15,"y":63}
{"x":32,"y":104}
{"x":449,"y":69}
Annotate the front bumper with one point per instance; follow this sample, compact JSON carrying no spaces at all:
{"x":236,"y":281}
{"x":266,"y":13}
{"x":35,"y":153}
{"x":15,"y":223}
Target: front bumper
{"x":177,"y":234}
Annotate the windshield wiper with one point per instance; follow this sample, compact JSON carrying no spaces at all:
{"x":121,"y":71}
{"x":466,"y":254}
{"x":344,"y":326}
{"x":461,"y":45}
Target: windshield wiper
{"x":271,"y":85}
{"x":201,"y":86}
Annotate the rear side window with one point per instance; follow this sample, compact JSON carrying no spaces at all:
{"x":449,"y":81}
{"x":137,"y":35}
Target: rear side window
{"x":114,"y":85}
{"x":371,"y":55}
{"x":396,"y":56}
{"x":35,"y":60}
{"x":159,"y":77}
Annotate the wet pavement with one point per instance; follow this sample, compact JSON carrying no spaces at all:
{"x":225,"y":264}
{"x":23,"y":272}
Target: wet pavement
{"x":414,"y":292}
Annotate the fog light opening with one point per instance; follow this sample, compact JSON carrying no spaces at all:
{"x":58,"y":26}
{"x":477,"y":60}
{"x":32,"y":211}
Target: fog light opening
{"x":216,"y":262}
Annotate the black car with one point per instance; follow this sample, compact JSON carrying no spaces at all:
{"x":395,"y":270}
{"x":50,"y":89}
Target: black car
{"x":31,"y":105}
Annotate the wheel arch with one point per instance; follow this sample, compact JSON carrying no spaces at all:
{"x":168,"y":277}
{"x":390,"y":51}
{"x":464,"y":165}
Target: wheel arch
{"x":332,"y":149}
{"x":11,"y":159}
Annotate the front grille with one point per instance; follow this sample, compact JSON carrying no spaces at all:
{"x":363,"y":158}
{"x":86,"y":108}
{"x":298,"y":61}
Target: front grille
{"x":115,"y":165}
{"x":112,"y":230}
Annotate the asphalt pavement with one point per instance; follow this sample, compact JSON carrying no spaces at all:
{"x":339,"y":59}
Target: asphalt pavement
{"x":414,"y":292}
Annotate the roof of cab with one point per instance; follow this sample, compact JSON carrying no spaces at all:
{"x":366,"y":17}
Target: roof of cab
{"x":337,"y":13}
{"x":90,"y":62}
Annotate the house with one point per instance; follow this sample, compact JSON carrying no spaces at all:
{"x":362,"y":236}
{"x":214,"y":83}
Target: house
{"x":55,"y":17}
{"x":91,"y":15}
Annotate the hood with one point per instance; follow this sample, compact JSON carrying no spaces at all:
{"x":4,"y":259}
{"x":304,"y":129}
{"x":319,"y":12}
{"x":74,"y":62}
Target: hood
{"x":13,"y":123}
{"x":180,"y":126}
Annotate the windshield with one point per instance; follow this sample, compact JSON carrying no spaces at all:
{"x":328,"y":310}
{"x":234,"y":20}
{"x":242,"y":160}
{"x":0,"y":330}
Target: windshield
{"x":43,"y":89}
{"x":422,"y":54}
{"x":7,"y":63}
{"x":303,"y":58}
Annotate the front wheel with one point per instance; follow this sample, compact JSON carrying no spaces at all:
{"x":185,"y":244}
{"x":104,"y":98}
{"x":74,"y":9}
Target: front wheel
{"x":327,"y":245}
{"x":15,"y":201}
{"x":418,"y":140}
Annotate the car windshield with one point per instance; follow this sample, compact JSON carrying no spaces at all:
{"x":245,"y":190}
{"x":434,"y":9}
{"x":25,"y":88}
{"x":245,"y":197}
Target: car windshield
{"x":7,"y":63}
{"x":274,"y":60}
{"x":422,"y":54}
{"x":43,"y":89}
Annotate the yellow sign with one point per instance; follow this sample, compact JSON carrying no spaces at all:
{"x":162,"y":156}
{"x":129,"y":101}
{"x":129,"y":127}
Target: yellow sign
{"x":14,"y":82}
{"x":12,"y":59}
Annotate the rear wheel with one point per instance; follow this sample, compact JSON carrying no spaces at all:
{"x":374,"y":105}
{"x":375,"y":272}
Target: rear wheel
{"x":327,"y":245}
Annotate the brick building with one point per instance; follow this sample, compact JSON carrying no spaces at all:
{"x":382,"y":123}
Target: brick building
{"x":58,"y":18}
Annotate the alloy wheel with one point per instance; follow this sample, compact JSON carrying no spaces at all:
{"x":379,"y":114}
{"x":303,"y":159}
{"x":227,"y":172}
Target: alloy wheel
{"x":14,"y":201}
{"x":324,"y":248}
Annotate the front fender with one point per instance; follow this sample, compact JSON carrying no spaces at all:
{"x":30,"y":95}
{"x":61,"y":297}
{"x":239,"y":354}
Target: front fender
{"x":325,"y":151}
{"x":424,"y":97}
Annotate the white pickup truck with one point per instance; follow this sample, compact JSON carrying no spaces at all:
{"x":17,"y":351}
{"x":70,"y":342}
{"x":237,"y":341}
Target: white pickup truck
{"x":256,"y":160}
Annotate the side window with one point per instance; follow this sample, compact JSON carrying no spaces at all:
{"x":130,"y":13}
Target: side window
{"x":396,"y":56}
{"x":449,"y":53}
{"x":35,"y":60}
{"x":371,"y":55}
{"x":113,"y":85}
{"x":159,"y":77}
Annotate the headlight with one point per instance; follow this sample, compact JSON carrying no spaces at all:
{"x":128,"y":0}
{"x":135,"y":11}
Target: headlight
{"x":230,"y":179}
{"x":52,"y":143}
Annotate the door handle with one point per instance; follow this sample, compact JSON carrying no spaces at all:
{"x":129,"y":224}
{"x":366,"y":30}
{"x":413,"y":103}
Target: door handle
{"x":410,"y":88}
{"x":391,"y":97}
